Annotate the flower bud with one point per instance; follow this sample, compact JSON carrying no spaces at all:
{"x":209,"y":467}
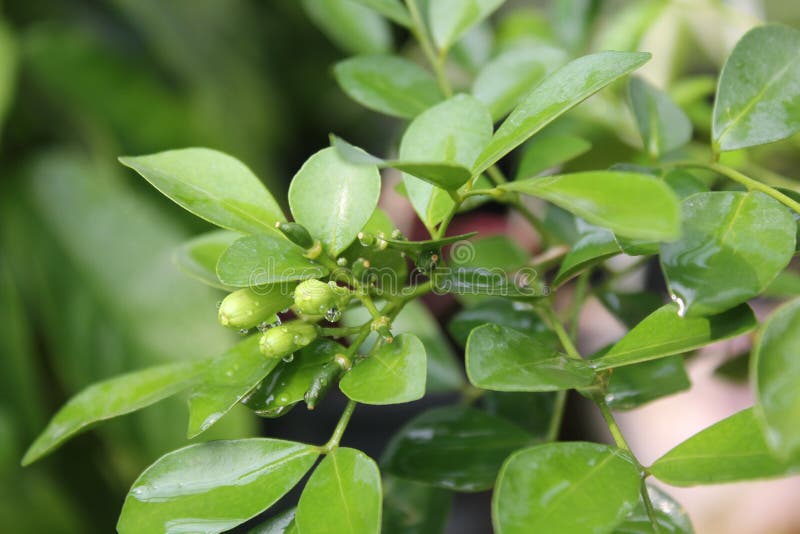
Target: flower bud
{"x":246,"y":308}
{"x":296,"y":233}
{"x":313,"y":297}
{"x":284,"y":340}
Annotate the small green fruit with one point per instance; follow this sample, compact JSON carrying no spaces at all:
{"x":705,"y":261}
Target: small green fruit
{"x":247,"y":308}
{"x":296,"y":233}
{"x":284,"y":340}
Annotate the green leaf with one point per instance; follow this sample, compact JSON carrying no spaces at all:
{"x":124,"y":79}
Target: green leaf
{"x":664,"y":333}
{"x":776,"y":376}
{"x":415,"y":248}
{"x":278,"y":524}
{"x":785,"y":285}
{"x":473,"y":281}
{"x":521,"y":317}
{"x":454,"y":131}
{"x":630,"y":308}
{"x":454,"y":447}
{"x":564,"y":487}
{"x":503,"y":81}
{"x":733,"y":245}
{"x":594,"y":245}
{"x":288,"y":383}
{"x":391,"y":9}
{"x":663,"y":126}
{"x":212,"y":487}
{"x":757,"y":95}
{"x":629,"y":204}
{"x":199,"y":256}
{"x":388,"y":84}
{"x":226,"y":380}
{"x":212,"y":185}
{"x":393,"y":374}
{"x":414,"y":508}
{"x":545,"y":152}
{"x":634,"y":385}
{"x":532,"y":411}
{"x":670,"y":516}
{"x":730,"y":450}
{"x":557,"y":94}
{"x":264,"y":259}
{"x":389,"y":266}
{"x":352,"y":27}
{"x":8,"y":69}
{"x":445,"y":175}
{"x":343,"y":496}
{"x":334,"y":199}
{"x":111,"y":398}
{"x":450,"y":19}
{"x":684,"y":183}
{"x":503,"y":359}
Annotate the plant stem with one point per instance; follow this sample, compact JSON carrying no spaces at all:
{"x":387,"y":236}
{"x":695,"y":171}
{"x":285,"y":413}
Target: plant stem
{"x":749,"y":183}
{"x":533,"y":220}
{"x":551,"y":317}
{"x":436,"y":61}
{"x":648,"y":506}
{"x":496,"y":175}
{"x":338,"y":432}
{"x":558,"y":416}
{"x":577,"y":303}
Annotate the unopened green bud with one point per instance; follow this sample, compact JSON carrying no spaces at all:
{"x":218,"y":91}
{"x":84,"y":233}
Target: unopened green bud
{"x":326,"y":377}
{"x":247,"y":308}
{"x":313,"y":297}
{"x":283,"y":340}
{"x":296,"y":233}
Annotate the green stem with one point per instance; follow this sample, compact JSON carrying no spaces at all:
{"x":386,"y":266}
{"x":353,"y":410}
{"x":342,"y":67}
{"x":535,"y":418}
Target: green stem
{"x":436,"y":61}
{"x":551,"y":317}
{"x":577,"y":303}
{"x":648,"y":506}
{"x":533,"y":220}
{"x":558,"y":416}
{"x":341,"y":426}
{"x":749,"y":183}
{"x":496,"y":175}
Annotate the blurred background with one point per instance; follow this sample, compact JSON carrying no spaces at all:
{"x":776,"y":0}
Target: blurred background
{"x":87,"y":285}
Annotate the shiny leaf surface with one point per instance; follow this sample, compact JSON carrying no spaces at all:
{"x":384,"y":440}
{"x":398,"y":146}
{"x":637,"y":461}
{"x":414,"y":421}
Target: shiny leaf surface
{"x":663,"y":126}
{"x":733,"y":245}
{"x":664,"y":333}
{"x":343,"y":496}
{"x":594,"y":245}
{"x":215,"y":486}
{"x":450,"y":19}
{"x":198,"y":257}
{"x":455,"y":447}
{"x":503,"y":359}
{"x":564,"y":487}
{"x":354,"y":28}
{"x":334,"y":199}
{"x":519,"y":316}
{"x":212,"y":185}
{"x":670,"y":515}
{"x":393,"y":374}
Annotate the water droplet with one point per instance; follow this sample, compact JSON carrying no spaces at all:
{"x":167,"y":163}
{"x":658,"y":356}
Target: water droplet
{"x":289,"y":358}
{"x":333,"y":314}
{"x":263,"y":327}
{"x":244,"y":331}
{"x":277,"y":321}
{"x":341,"y":262}
{"x":681,"y":304}
{"x":219,"y":304}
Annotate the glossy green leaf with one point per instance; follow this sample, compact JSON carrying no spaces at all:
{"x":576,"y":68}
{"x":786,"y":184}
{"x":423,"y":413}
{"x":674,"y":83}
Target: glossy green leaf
{"x":199,"y":256}
{"x":503,"y":359}
{"x":557,"y":94}
{"x":212,"y":487}
{"x":730,"y":450}
{"x":388,"y":84}
{"x":565,"y":487}
{"x":212,"y":185}
{"x":684,"y":183}
{"x":634,"y":385}
{"x":288,"y":383}
{"x":670,"y":516}
{"x":455,"y":447}
{"x":393,"y":374}
{"x":506,"y":79}
{"x":664,"y":333}
{"x":389,"y":266}
{"x":450,"y":19}
{"x":545,"y":152}
{"x":757,"y":95}
{"x":343,"y":496}
{"x":532,"y":411}
{"x":414,"y":248}
{"x":474,"y":281}
{"x":262,"y":259}
{"x":519,"y":316}
{"x":278,"y":524}
{"x":414,"y":508}
{"x":630,"y":308}
{"x":663,"y":126}
{"x":594,"y":245}
{"x":454,"y":131}
{"x":629,"y":204}
{"x":785,"y":285}
{"x":445,"y":175}
{"x":226,"y":380}
{"x":351,"y":26}
{"x":334,"y":199}
{"x":391,"y":9}
{"x":111,"y":398}
{"x":776,"y":376}
{"x":733,"y":245}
